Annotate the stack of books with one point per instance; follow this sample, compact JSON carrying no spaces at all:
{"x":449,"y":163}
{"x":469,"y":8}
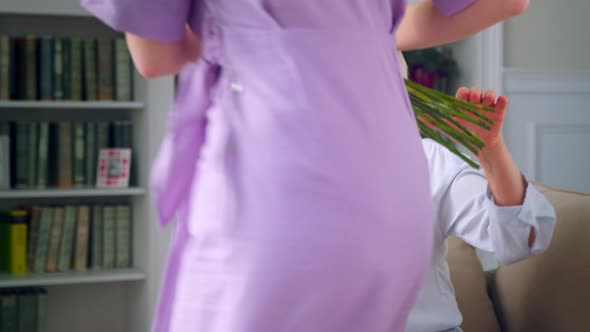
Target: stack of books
{"x":64,"y":68}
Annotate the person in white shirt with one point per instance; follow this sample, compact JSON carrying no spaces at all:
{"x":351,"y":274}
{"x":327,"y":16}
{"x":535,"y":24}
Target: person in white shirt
{"x":495,"y":210}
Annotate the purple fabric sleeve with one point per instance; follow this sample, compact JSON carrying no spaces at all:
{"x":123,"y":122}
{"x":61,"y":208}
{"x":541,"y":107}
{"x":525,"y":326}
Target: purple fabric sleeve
{"x":452,"y":7}
{"x":161,"y":20}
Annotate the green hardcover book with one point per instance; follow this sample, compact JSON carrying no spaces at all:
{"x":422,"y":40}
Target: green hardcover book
{"x":102,"y":136}
{"x":42,"y":245}
{"x":9,"y":309}
{"x":96,"y":237}
{"x":21,"y":168}
{"x":55,"y":239}
{"x":122,"y":134}
{"x":33,"y":229}
{"x":41,"y":310}
{"x":5,"y":153}
{"x":31,"y":72}
{"x":91,"y":153}
{"x":123,"y":237}
{"x":75,"y":69}
{"x":82,"y":235}
{"x":64,"y":155}
{"x":123,"y":71}
{"x":66,"y":247}
{"x":79,"y":165}
{"x":14,"y":67}
{"x":105,"y":68}
{"x":32,"y":159}
{"x":108,"y":237}
{"x":46,"y":68}
{"x":90,"y":69}
{"x":43,"y":160}
{"x":67,"y":63}
{"x":27,"y":311}
{"x":58,"y":69}
{"x":5,"y":60}
{"x":26,"y":49}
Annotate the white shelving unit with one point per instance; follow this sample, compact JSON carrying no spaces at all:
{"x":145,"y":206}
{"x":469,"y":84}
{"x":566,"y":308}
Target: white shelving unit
{"x":118,"y":300}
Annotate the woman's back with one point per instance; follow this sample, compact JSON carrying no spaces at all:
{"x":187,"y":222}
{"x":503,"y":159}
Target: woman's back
{"x":311,"y":211}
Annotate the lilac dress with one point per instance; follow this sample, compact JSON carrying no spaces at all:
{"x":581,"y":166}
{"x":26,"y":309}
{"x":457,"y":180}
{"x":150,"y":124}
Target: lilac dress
{"x":292,"y":164}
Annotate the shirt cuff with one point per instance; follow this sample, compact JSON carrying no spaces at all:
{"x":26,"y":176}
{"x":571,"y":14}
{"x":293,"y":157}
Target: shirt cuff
{"x":154,"y":20}
{"x":517,"y":213}
{"x":452,"y":7}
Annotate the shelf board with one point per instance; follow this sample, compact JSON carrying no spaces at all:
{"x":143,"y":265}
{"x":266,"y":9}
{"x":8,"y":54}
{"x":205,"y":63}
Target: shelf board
{"x":64,"y":193}
{"x":70,"y":278}
{"x":111,"y":105}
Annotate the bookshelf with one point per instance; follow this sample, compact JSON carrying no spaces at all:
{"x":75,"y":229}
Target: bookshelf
{"x":116,"y":300}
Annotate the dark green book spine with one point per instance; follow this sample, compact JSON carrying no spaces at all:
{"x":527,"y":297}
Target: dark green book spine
{"x":108,"y":237}
{"x":5,"y":155}
{"x":32,"y":159}
{"x":123,"y":71}
{"x":91,"y":154}
{"x":102,"y":136}
{"x":105,"y":69}
{"x":66,"y":248}
{"x":27,"y":311}
{"x":46,"y":68}
{"x":26,"y":71}
{"x":55,"y":234}
{"x":79,"y":166}
{"x":14,"y":70}
{"x":21,"y":155}
{"x":33,"y":236}
{"x":41,"y":310}
{"x":67,"y":64}
{"x":9,"y":312}
{"x":43,"y":239}
{"x":123,"y":241}
{"x":43,"y":162}
{"x":75,"y":69}
{"x":5,"y":85}
{"x":58,"y":69}
{"x":64,"y":149}
{"x":90,"y":69}
{"x":96,"y":237}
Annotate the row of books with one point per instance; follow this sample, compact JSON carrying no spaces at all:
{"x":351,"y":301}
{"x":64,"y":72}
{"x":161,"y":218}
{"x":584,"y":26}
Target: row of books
{"x":64,"y":68}
{"x":63,"y":154}
{"x":65,"y":238}
{"x":23,"y":309}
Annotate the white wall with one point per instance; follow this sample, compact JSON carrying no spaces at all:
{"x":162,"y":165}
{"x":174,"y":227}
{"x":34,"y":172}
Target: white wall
{"x":551,"y":34}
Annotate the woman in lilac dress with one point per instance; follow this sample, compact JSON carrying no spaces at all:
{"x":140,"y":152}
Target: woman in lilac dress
{"x":293,"y":162}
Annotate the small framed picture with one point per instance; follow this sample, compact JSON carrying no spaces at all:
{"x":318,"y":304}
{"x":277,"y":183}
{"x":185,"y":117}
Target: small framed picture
{"x":113,"y":168}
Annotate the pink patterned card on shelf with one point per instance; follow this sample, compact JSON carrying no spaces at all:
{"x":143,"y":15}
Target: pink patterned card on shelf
{"x":113,"y":170}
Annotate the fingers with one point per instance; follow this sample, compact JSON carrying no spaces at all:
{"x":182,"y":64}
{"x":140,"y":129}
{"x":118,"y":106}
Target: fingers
{"x":489,"y":98}
{"x":463,"y":94}
{"x":501,"y":104}
{"x":475,"y":96}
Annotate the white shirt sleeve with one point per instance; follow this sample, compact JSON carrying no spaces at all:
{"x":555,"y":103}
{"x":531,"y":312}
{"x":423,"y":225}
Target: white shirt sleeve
{"x":467,"y":210}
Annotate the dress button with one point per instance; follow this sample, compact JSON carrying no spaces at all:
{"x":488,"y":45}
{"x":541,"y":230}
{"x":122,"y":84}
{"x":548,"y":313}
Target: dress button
{"x":236,"y":87}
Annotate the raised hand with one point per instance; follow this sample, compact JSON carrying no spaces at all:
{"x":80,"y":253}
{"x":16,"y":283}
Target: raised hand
{"x":491,"y":137}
